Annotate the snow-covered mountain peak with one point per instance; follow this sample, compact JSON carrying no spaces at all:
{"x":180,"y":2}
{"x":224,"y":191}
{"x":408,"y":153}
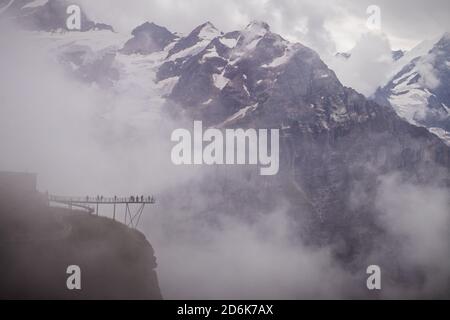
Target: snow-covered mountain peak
{"x":257,"y":26}
{"x":208,"y":31}
{"x":252,"y":34}
{"x":194,"y":42}
{"x":255,"y":30}
{"x":418,"y":89}
{"x":420,"y":50}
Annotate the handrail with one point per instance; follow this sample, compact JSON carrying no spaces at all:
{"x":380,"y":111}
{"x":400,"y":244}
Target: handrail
{"x":130,"y":219}
{"x":102,"y":200}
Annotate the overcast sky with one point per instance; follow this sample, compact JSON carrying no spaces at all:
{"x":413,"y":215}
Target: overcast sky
{"x":314,"y":23}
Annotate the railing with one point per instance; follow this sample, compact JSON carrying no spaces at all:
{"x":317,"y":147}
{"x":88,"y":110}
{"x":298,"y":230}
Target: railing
{"x":130,"y":219}
{"x":101,"y":199}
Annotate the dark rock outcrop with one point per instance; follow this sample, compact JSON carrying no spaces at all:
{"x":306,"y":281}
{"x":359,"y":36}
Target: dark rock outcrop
{"x":148,"y":38}
{"x":38,"y":243}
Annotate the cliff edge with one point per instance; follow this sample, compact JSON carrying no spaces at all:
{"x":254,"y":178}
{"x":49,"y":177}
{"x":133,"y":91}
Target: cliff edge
{"x":38,"y":243}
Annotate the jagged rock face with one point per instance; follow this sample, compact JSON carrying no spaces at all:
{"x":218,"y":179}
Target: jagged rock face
{"x":420,"y":92}
{"x":199,"y":37}
{"x":333,"y":140}
{"x":48,"y":16}
{"x":256,"y":75}
{"x":148,"y":38}
{"x":397,"y":54}
{"x":222,"y":75}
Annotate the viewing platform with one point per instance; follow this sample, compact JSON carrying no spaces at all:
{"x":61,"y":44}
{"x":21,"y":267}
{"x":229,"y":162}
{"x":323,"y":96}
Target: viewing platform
{"x":132,"y":206}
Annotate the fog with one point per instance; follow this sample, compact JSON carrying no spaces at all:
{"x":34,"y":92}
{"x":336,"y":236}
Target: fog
{"x":417,"y":218}
{"x":85,"y":140}
{"x":369,"y":65}
{"x":405,"y":22}
{"x":80,"y":139}
{"x":236,"y":259}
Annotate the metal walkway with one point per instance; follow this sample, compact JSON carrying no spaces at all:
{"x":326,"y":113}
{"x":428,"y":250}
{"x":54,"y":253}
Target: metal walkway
{"x":131,"y":217}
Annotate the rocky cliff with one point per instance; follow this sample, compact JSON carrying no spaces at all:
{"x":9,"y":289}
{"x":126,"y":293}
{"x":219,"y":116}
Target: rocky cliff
{"x":38,"y":243}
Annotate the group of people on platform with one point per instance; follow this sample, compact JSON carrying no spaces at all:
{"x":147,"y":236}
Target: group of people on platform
{"x":129,"y":199}
{"x":140,"y":199}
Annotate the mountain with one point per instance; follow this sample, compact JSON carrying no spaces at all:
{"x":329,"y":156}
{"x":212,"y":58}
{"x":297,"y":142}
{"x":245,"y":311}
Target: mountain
{"x":48,"y":15}
{"x":148,"y":38}
{"x":333,"y":139}
{"x":419,"y":90}
{"x":335,"y":144}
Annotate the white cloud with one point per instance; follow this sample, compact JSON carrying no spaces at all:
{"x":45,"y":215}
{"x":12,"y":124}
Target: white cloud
{"x":80,"y":139}
{"x":425,"y":67}
{"x":405,"y":22}
{"x":204,"y":251}
{"x":369,"y":65}
{"x":417,"y":218}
